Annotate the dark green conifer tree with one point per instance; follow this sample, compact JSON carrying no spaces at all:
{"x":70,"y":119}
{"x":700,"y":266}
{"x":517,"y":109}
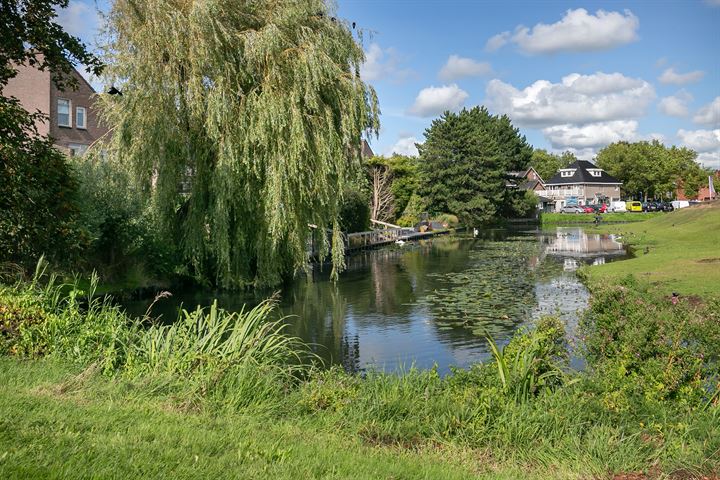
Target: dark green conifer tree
{"x":464,"y":164}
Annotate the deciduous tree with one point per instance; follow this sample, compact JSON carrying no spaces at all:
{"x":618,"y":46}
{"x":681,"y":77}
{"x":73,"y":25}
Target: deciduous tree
{"x":651,"y":170}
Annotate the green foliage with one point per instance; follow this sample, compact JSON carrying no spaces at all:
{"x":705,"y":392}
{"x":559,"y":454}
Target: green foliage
{"x":36,"y":185}
{"x":464,"y":164}
{"x":532,"y":363}
{"x":121,"y":229}
{"x":524,"y":204}
{"x":651,"y":170}
{"x":236,"y":359}
{"x":31,"y":23}
{"x":261,"y":114}
{"x":647,"y":397}
{"x":405,"y":181}
{"x":640,"y":347}
{"x":619,"y":217}
{"x":547,"y":164}
{"x":447,"y":218}
{"x":411,"y":215}
{"x":354,"y":211}
{"x":37,"y":194}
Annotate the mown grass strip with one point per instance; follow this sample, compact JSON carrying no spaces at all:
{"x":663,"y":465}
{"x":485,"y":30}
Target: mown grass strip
{"x":578,"y":218}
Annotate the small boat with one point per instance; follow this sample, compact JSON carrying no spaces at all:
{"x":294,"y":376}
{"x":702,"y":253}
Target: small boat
{"x":400,"y":242}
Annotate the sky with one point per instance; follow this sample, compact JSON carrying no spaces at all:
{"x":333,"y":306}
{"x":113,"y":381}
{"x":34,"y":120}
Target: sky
{"x":571,"y":76}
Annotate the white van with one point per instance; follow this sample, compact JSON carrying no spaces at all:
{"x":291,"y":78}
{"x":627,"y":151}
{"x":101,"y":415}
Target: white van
{"x":618,"y":207}
{"x":680,"y":204}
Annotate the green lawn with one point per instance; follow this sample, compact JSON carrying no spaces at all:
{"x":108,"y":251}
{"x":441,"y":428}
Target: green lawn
{"x":677,"y":252}
{"x":104,"y":431}
{"x":575,"y":218}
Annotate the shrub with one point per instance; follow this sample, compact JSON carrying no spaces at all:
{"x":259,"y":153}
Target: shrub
{"x":122,"y":231}
{"x":641,"y":346}
{"x":354,"y":211}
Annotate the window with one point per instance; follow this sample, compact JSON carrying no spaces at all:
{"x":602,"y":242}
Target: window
{"x":77,"y":149}
{"x":80,"y":117}
{"x":595,"y":172}
{"x":63,"y":112}
{"x":567,"y":173}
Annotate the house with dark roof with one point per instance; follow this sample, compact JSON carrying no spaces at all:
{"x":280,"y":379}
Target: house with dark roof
{"x":581,"y":183}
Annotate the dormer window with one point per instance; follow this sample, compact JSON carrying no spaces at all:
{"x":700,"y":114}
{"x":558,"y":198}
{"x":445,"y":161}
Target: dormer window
{"x":567,"y":173}
{"x":595,"y":172}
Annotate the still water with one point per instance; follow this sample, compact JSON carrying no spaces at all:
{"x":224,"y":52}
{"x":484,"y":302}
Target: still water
{"x":430,"y":302}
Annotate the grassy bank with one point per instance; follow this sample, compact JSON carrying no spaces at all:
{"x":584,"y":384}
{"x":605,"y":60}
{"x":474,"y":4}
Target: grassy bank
{"x":676,"y":252}
{"x":93,"y":393}
{"x":582,"y":218}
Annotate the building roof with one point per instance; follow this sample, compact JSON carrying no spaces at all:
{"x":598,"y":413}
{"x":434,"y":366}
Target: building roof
{"x":580,"y":170}
{"x":366,"y":150}
{"x":530,"y":185}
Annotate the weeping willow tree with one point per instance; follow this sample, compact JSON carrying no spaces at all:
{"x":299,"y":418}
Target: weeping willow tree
{"x":242,"y":120}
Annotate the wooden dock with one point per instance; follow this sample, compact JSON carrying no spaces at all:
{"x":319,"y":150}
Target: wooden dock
{"x":377,"y":238}
{"x":386,"y":236}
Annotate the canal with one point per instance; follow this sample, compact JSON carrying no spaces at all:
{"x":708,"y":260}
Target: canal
{"x":430,"y":302}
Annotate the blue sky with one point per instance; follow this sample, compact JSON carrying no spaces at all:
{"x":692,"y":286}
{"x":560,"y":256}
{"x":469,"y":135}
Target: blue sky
{"x":572,"y":76}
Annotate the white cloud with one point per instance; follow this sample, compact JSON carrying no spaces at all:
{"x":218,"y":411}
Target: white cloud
{"x":578,"y":99}
{"x":705,"y":142}
{"x":676,"y":105}
{"x":433,"y":101}
{"x":79,"y":19}
{"x":709,"y":114}
{"x":670,"y":76}
{"x":577,"y":31}
{"x":459,"y":67}
{"x":592,"y":135}
{"x":383,"y":64}
{"x":710,"y":160}
{"x":702,"y":141}
{"x":496,"y":42}
{"x":404,"y":146}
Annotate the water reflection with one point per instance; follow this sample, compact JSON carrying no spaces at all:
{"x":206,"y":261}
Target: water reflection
{"x":429,"y":302}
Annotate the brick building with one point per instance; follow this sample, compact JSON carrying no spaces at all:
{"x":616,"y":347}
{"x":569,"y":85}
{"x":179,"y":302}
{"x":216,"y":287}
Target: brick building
{"x":704,"y":192}
{"x":72,"y":119}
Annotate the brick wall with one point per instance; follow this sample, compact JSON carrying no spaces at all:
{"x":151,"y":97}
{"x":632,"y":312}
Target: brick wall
{"x":82,"y":97}
{"x":32,"y":88}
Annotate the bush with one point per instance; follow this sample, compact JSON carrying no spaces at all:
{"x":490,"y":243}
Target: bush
{"x":122,"y":231}
{"x":641,"y":346}
{"x":354,"y":211}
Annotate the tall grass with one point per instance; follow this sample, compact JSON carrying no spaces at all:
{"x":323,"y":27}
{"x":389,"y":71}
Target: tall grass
{"x":236,"y":358}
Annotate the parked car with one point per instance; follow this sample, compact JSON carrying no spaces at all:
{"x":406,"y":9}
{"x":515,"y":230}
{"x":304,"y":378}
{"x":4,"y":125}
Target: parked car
{"x":571,"y":209}
{"x":650,"y":207}
{"x":588,"y":209}
{"x":634,"y":206}
{"x":665,"y":206}
{"x":618,"y":207}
